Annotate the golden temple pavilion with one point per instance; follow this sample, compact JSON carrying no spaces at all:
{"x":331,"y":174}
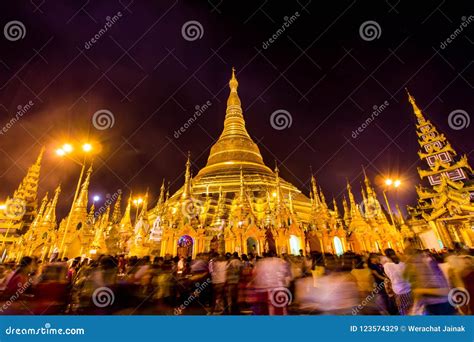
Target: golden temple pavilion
{"x":235,"y":203}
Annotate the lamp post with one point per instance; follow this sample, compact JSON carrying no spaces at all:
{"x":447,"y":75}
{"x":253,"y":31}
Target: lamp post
{"x":390,"y":183}
{"x":137,"y":202}
{"x":65,"y":150}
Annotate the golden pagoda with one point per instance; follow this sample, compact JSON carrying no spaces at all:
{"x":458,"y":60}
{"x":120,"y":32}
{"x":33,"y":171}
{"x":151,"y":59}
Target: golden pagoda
{"x":444,"y":214}
{"x":235,"y":203}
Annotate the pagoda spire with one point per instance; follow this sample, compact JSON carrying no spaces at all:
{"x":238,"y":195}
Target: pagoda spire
{"x":161,"y":199}
{"x":28,"y":187}
{"x":369,"y":190}
{"x":242,"y":189}
{"x":126,"y":221}
{"x":277,"y":183}
{"x":448,"y":176}
{"x":416,"y":110}
{"x":187,"y":180}
{"x":234,"y":124}
{"x":234,"y":147}
{"x":314,"y":187}
{"x":335,"y":208}
{"x":290,"y":201}
{"x":353,"y":206}
{"x":144,"y":212}
{"x":49,"y":216}
{"x":347,"y":213}
{"x":42,"y":208}
{"x":116,"y":214}
{"x":82,"y":200}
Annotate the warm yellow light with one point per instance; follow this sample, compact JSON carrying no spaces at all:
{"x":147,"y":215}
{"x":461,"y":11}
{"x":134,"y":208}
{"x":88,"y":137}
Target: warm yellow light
{"x":274,"y":194}
{"x":67,"y":148}
{"x":137,"y":201}
{"x":388,"y":182}
{"x":3,"y":207}
{"x":60,"y":152}
{"x":397,"y":183}
{"x":87,"y":147}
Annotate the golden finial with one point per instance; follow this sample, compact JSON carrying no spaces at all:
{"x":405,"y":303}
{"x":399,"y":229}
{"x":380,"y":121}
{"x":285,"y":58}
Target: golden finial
{"x":417,"y":110}
{"x":233,"y":83}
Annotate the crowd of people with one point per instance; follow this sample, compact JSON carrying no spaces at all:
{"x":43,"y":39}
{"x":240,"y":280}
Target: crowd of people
{"x":413,"y":283}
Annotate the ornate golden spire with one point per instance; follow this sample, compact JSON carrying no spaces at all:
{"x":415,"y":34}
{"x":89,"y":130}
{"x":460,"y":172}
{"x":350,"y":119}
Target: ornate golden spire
{"x":187,"y":179}
{"x":126,"y":221}
{"x":27,"y":190}
{"x":116,"y":215}
{"x":49,"y":216}
{"x":234,"y":147}
{"x":417,"y":110}
{"x":83,"y":198}
{"x":347,"y":213}
{"x":314,"y":191}
{"x":352,"y":202}
{"x":144,"y":212}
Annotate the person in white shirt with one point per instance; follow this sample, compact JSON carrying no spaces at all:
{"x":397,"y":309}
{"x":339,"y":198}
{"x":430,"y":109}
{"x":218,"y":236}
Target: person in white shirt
{"x":395,"y":269}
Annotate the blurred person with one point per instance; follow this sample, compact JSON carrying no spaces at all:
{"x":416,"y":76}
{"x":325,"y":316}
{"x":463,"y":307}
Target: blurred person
{"x":430,"y":287}
{"x":20,"y":277}
{"x":72,"y":270}
{"x":18,"y":286}
{"x":336,"y":292}
{"x":51,"y":291}
{"x":272,"y":276}
{"x":395,"y":269}
{"x":386,"y":304}
{"x":218,"y":270}
{"x":246,"y":293}
{"x":233,"y":269}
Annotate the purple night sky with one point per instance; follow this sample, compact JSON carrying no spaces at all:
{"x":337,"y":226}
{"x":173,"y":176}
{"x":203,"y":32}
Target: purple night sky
{"x":144,"y":71}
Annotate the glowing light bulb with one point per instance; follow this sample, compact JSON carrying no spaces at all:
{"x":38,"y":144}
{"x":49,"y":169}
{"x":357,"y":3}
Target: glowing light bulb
{"x":60,"y":152}
{"x":388,"y":182}
{"x":67,"y":148}
{"x":96,"y":198}
{"x":397,"y":183}
{"x":87,"y":147}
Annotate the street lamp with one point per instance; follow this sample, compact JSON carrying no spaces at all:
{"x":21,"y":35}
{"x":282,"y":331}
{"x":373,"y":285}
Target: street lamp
{"x":390,"y":183}
{"x":137,"y":202}
{"x":65,"y":151}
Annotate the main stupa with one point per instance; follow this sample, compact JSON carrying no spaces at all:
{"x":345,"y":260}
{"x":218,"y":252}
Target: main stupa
{"x":235,"y":156}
